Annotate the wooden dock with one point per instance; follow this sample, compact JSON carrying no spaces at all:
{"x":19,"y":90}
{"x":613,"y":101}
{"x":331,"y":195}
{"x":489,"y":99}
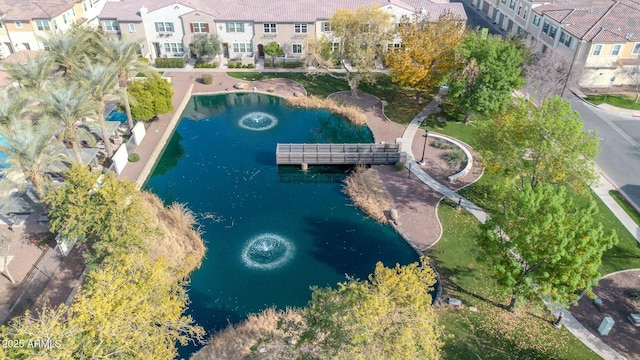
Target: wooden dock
{"x":337,"y":154}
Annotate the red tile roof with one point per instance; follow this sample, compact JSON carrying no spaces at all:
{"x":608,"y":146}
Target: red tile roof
{"x":26,"y":10}
{"x":596,"y":20}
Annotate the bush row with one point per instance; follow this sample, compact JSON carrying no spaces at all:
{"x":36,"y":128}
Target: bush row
{"x":167,"y":63}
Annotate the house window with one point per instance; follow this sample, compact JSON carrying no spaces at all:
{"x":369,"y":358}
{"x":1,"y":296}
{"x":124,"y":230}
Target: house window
{"x":615,"y":50}
{"x":525,"y":12}
{"x":536,"y":20}
{"x":636,"y":49}
{"x":164,"y":27}
{"x":26,"y":46}
{"x":270,"y":28}
{"x":199,"y":27}
{"x":565,"y":39}
{"x":512,"y":4}
{"x":18,"y":24}
{"x":84,"y":6}
{"x":552,"y":32}
{"x":503,"y":1}
{"x":55,"y":25}
{"x":173,"y":48}
{"x":241,"y":48}
{"x":325,"y":26}
{"x":519,"y":10}
{"x":132,"y":28}
{"x":597,"y":49}
{"x":111,"y":25}
{"x":296,"y":48}
{"x":42,"y":25}
{"x":335,"y":46}
{"x":300,"y":28}
{"x":1,"y":26}
{"x":235,"y":27}
{"x":545,"y":27}
{"x":64,"y":18}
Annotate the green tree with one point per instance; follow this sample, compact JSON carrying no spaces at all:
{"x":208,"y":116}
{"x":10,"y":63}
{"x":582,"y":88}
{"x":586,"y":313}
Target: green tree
{"x":99,"y":209}
{"x":388,"y":317}
{"x":491,"y":69}
{"x":34,"y":74}
{"x":68,"y":48}
{"x":427,"y":54}
{"x":100,"y":81}
{"x":538,"y":145}
{"x":206,"y":46}
{"x":31,"y":151}
{"x":274,"y":50}
{"x":152,"y":97}
{"x":69,"y":104}
{"x":544,"y":244}
{"x":359,"y":37}
{"x":126,"y":310}
{"x":124,"y":56}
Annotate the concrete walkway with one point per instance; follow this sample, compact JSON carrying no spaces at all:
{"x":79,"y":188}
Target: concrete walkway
{"x":602,"y":190}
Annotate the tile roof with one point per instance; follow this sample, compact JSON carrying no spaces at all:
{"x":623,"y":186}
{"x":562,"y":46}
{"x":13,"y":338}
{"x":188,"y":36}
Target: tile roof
{"x":277,"y":10}
{"x":127,"y":11}
{"x":26,"y":10}
{"x":596,"y":20}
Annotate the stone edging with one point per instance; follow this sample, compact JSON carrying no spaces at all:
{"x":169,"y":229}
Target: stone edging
{"x":469,"y":164}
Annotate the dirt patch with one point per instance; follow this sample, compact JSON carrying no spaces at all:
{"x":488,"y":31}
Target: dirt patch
{"x":614,"y":292}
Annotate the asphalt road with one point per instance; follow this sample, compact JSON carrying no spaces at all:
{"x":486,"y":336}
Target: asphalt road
{"x":619,"y":136}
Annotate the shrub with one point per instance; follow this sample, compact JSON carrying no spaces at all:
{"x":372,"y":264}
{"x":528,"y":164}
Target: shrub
{"x":250,"y":66}
{"x":292,"y":64}
{"x":143,"y":59}
{"x":169,"y":63}
{"x":443,"y":144}
{"x":399,"y":166}
{"x":367,"y":191}
{"x":133,"y":157}
{"x":207,"y":79}
{"x":204,"y":65}
{"x":455,"y":158}
{"x":352,"y":113}
{"x":271,"y":89}
{"x":152,"y":97}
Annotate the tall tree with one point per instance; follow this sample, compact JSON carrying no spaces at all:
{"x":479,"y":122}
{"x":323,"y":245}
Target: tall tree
{"x":68,"y":48}
{"x":274,"y":50}
{"x":388,"y":317}
{"x":31,"y":152}
{"x":427,"y":53}
{"x":107,"y":213}
{"x":498,"y":71}
{"x":358,"y":38}
{"x":124,"y":56}
{"x":543,"y":244}
{"x":206,"y":46}
{"x":69,"y":104}
{"x":126,"y":310}
{"x":35,"y":73}
{"x":100,"y":81}
{"x":549,"y":73}
{"x":538,"y":145}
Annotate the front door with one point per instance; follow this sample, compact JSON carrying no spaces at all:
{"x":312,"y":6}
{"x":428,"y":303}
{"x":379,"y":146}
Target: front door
{"x":225,"y":48}
{"x":261,"y":51}
{"x":156,"y":46}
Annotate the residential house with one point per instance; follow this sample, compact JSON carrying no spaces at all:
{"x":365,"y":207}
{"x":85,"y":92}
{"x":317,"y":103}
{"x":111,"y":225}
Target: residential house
{"x":123,"y":21}
{"x":246,"y":27}
{"x":604,"y":35}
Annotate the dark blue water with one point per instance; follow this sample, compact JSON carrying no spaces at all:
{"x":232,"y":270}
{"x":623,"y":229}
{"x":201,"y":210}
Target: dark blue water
{"x":271,"y":233}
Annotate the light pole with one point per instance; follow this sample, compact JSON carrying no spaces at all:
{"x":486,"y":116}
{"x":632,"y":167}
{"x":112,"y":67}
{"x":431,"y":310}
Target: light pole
{"x":424,"y":147}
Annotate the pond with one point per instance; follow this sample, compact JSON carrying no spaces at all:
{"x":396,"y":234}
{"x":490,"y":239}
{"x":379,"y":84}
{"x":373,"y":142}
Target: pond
{"x":271,"y":232}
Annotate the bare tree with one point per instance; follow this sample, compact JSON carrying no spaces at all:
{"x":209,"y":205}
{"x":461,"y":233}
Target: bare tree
{"x":551,"y":72}
{"x":633,"y":73}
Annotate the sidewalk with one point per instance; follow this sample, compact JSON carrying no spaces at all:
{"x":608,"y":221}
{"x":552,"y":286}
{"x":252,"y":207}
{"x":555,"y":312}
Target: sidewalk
{"x":607,"y":107}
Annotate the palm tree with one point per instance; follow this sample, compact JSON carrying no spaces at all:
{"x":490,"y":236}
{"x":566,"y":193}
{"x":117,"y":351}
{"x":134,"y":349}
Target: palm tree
{"x":34,"y":74}
{"x":69,"y":104}
{"x":100,"y":80}
{"x":31,"y":151}
{"x":12,"y":108}
{"x":67,"y":49}
{"x":124,"y":56}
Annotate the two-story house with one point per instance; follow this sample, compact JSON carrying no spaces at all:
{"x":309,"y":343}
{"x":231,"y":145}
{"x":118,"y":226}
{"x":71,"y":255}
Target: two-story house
{"x":24,"y":24}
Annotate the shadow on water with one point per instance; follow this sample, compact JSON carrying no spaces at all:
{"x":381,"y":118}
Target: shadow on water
{"x":171,"y":156}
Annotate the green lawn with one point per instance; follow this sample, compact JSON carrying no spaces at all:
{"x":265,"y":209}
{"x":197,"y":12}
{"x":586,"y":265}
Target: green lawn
{"x":402,"y":106}
{"x":621,"y":101}
{"x":626,"y":206}
{"x":491,"y":332}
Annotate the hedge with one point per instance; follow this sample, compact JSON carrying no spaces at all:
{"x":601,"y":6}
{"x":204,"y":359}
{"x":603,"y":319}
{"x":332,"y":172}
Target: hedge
{"x":169,"y":63}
